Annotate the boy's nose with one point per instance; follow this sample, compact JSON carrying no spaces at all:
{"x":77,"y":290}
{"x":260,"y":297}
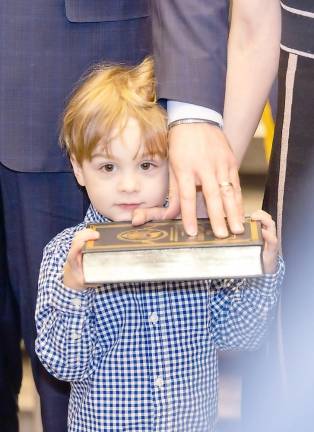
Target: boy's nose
{"x":129,"y":183}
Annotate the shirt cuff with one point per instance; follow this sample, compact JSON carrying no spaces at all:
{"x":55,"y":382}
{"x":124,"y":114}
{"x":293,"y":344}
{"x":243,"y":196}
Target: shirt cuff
{"x":181,"y":110}
{"x":269,"y":283}
{"x":67,"y":300}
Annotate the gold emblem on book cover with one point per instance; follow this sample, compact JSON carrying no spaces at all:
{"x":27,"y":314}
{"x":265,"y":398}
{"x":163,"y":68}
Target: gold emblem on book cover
{"x":142,"y":235}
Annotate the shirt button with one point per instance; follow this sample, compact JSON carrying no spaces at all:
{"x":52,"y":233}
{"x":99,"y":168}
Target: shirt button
{"x":153,"y":318}
{"x":159,"y":382}
{"x":75,"y":336}
{"x":76,"y":302}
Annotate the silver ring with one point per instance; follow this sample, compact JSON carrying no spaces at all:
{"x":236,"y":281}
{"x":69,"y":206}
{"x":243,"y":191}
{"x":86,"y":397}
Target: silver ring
{"x":225,"y":184}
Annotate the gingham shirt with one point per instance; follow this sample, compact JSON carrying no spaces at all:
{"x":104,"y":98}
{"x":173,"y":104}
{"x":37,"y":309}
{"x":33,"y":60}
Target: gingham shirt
{"x":142,"y":357}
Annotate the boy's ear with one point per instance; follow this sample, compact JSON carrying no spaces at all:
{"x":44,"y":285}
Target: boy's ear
{"x":78,"y":172}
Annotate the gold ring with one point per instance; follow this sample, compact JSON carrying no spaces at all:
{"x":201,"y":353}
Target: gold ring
{"x":225,"y":184}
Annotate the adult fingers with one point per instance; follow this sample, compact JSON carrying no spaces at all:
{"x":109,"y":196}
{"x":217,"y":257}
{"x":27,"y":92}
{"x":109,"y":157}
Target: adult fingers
{"x":230,"y":197}
{"x":235,"y":180}
{"x":214,"y":206}
{"x":187,"y":198}
{"x":173,"y":208}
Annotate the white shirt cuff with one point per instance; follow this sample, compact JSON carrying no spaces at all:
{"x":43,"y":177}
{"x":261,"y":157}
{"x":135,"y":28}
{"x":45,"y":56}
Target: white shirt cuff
{"x":181,"y":110}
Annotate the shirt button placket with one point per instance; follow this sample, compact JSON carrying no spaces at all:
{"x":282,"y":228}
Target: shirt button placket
{"x":76,"y":302}
{"x":153,"y":318}
{"x":159,"y":382}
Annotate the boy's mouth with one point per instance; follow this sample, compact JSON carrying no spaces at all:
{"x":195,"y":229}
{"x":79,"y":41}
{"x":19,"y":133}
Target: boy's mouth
{"x":129,"y":206}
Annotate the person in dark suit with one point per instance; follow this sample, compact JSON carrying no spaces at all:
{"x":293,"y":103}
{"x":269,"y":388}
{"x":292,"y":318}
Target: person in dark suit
{"x":45,"y":48}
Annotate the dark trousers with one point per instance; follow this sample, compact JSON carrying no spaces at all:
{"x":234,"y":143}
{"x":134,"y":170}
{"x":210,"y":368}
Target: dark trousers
{"x":34,"y":208}
{"x":10,"y":358}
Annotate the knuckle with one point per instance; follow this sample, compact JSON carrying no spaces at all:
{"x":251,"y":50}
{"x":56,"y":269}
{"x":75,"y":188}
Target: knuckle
{"x":227,"y":191}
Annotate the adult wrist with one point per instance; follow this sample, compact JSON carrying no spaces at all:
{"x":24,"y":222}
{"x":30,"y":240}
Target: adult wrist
{"x":193,"y":121}
{"x":182,"y":110}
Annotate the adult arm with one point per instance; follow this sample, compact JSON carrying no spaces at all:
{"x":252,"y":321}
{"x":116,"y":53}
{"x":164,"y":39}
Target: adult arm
{"x":253,"y":55}
{"x":190,"y":43}
{"x":200,"y":154}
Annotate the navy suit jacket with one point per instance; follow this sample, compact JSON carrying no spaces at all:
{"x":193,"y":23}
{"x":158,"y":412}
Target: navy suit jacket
{"x":46,"y":45}
{"x":190,"y":46}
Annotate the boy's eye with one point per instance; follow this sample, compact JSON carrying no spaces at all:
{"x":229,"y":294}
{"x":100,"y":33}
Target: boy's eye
{"x":146,"y":165}
{"x":109,"y":167}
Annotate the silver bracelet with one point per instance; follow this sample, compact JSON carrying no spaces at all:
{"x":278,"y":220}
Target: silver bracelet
{"x":192,"y":120}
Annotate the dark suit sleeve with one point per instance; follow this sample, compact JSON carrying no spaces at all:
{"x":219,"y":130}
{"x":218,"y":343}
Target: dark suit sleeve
{"x":190,"y":44}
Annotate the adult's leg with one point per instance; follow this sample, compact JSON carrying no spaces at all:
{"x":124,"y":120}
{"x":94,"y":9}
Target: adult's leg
{"x":10,"y":356}
{"x":36,"y":207}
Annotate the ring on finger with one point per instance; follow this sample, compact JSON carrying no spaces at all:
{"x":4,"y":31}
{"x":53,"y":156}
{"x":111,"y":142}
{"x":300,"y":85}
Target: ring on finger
{"x":224,"y":184}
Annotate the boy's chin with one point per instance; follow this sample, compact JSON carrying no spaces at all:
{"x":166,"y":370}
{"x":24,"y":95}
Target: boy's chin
{"x":125,"y":217}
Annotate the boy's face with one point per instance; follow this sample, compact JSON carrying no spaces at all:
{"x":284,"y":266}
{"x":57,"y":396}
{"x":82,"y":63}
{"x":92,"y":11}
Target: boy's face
{"x":129,"y":179}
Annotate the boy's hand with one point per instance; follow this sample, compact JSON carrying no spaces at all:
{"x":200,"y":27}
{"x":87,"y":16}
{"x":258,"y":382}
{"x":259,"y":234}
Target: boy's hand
{"x":270,"y":252}
{"x":73,"y":271}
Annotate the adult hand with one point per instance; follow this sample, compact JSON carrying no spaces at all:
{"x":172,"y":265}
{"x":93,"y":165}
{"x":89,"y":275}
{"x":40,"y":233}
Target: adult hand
{"x":199,"y":155}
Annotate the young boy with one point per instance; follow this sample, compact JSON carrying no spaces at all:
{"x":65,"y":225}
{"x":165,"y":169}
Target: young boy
{"x":140,"y":357}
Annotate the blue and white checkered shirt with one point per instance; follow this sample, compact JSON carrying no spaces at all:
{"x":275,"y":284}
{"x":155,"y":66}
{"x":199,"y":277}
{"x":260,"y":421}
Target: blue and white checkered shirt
{"x":142,"y":357}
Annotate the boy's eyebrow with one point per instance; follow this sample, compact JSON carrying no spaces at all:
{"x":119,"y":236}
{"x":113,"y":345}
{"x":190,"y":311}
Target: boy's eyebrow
{"x":102,"y":155}
{"x":148,"y":156}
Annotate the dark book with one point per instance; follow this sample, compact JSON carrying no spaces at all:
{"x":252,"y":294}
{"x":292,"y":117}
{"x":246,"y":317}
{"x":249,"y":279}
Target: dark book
{"x":161,"y":250}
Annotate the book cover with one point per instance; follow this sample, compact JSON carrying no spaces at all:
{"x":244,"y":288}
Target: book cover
{"x":162,"y":251}
{"x":118,"y":236}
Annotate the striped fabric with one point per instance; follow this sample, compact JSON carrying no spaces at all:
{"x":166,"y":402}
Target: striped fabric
{"x":298,"y":27}
{"x":142,"y":357}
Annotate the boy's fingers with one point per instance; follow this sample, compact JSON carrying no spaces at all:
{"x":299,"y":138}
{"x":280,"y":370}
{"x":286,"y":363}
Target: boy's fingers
{"x":265,"y":218}
{"x":86,"y":234}
{"x":261,"y":215}
{"x":79,"y":241}
{"x":270,"y":226}
{"x":140,"y":216}
{"x":270,"y":239}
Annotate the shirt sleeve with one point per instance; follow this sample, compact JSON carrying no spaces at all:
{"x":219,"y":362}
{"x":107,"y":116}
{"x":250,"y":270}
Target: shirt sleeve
{"x":66,"y":341}
{"x":181,"y":110}
{"x":241,"y":309}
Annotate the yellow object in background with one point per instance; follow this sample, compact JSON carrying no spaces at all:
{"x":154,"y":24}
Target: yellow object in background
{"x":268,"y":127}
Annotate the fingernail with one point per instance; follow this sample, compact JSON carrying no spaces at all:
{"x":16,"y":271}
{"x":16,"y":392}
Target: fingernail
{"x":239,"y":228}
{"x":222,"y":233}
{"x":135,"y":220}
{"x":191,"y":231}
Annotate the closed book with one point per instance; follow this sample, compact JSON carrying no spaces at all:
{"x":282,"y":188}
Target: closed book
{"x":158,"y":251}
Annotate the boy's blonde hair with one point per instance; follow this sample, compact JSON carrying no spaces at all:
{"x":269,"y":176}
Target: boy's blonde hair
{"x":102,"y":104}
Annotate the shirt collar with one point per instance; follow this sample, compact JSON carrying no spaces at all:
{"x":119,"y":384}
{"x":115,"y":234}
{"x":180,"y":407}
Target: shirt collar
{"x":93,"y":216}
